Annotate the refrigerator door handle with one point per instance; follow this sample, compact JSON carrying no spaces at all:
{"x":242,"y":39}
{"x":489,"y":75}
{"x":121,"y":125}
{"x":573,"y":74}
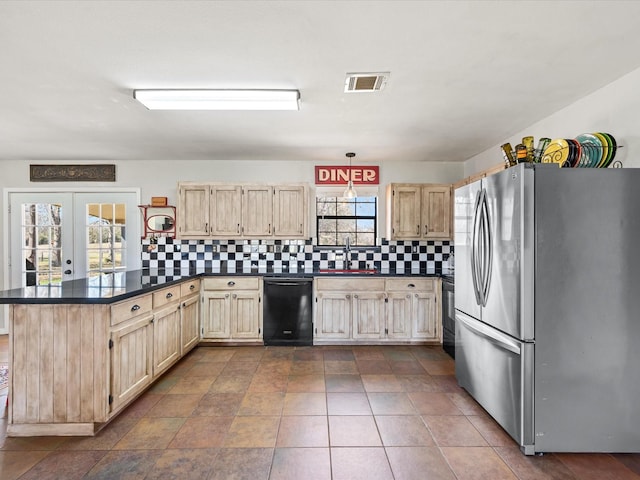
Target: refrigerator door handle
{"x":475,"y":233}
{"x":487,"y":256}
{"x":495,"y":337}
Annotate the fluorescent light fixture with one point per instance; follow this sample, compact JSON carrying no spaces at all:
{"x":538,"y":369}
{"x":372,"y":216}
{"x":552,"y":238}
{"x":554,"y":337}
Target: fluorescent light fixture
{"x":156,"y":99}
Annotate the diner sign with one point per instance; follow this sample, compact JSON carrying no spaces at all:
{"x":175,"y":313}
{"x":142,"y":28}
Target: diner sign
{"x":335,"y":175}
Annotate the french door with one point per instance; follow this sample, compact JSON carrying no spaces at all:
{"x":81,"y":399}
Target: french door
{"x":58,"y":236}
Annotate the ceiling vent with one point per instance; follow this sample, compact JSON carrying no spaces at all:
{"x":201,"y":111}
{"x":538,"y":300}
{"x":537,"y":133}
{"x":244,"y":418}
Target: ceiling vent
{"x":365,"y":82}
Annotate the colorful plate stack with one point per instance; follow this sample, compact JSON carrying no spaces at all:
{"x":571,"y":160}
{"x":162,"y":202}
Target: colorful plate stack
{"x":588,"y":150}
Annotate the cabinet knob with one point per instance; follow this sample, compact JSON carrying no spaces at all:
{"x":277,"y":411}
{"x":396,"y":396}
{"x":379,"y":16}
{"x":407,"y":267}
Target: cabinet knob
{"x":192,"y":287}
{"x":426,"y":229}
{"x":409,"y":296}
{"x":355,"y":296}
{"x":231,"y":283}
{"x":416,"y":295}
{"x":418,"y":229}
{"x":348,"y":296}
{"x":135,"y":308}
{"x":169,"y":295}
{"x":226,"y":296}
{"x":411,"y":285}
{"x":235,"y":296}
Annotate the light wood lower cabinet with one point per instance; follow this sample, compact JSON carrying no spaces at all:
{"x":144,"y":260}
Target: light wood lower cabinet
{"x":232,"y":309}
{"x":75,"y":366}
{"x":377,"y":310}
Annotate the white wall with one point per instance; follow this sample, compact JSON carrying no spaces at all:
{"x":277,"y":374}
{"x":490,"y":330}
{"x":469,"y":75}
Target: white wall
{"x":614,"y":109}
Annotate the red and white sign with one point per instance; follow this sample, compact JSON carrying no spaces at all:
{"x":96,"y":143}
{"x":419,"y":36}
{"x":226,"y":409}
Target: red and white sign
{"x":331,"y":175}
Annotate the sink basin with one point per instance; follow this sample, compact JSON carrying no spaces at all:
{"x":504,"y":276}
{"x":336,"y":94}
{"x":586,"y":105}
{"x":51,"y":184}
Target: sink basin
{"x":345,"y":270}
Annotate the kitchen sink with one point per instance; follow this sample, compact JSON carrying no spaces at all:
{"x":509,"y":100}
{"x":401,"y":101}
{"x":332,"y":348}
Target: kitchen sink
{"x":348,"y":270}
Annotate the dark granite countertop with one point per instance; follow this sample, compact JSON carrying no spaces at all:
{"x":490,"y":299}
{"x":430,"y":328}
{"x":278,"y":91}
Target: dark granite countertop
{"x":111,"y":288}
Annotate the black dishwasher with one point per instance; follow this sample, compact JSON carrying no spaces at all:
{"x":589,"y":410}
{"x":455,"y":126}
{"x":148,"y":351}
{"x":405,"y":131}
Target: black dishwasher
{"x":287,"y":311}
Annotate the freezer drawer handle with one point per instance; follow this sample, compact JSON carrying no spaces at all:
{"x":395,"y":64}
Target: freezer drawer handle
{"x":502,"y":342}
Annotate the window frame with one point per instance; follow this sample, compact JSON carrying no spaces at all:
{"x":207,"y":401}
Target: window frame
{"x":338,"y":195}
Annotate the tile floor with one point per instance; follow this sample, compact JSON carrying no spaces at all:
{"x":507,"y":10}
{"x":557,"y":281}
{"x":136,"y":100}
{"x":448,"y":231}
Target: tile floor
{"x":370,"y":412}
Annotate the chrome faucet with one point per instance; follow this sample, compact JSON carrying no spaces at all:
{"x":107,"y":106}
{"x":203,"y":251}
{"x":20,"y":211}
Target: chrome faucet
{"x":347,"y":251}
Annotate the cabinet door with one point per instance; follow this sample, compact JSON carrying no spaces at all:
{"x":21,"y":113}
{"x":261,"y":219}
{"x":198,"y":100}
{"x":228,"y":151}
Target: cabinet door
{"x":257,"y":211}
{"x":436,"y":211}
{"x":405,"y":212}
{"x":245,"y":315}
{"x":368,"y":315}
{"x":333,"y":315}
{"x":193,"y":210}
{"x":290,"y":212}
{"x":399,"y":315}
{"x":189,"y":323}
{"x":131,"y":360}
{"x":216,"y":314}
{"x":425,"y":317}
{"x":166,"y":338}
{"x":226,"y":210}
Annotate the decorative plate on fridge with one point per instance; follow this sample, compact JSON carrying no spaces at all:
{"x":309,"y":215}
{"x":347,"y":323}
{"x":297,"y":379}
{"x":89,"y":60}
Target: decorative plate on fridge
{"x":556,"y":152}
{"x":593,"y":146}
{"x":613,"y":147}
{"x":605,"y":149}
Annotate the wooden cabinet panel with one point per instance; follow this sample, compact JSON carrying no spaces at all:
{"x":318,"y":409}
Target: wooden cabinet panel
{"x":226,"y":210}
{"x":406,"y":212}
{"x":245,"y":315}
{"x":193,"y":206}
{"x":257,"y":211}
{"x":290,"y":211}
{"x":399,"y":315}
{"x":368,"y":315}
{"x":190,"y":323}
{"x":242,"y":211}
{"x":425,"y":317}
{"x":216,"y":315}
{"x":333,"y":315}
{"x":58,"y":367}
{"x":189,"y":287}
{"x":166,"y":296}
{"x":128,"y":309}
{"x":419,"y":212}
{"x":131,"y":360}
{"x":232,"y":308}
{"x":436,"y":211}
{"x":166,"y":338}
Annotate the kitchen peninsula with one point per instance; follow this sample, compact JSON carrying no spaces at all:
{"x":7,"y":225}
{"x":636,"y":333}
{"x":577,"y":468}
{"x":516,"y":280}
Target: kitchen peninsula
{"x":80,"y":352}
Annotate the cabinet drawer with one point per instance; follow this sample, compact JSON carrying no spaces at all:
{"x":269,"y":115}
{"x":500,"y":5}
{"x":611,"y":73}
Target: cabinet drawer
{"x":232,"y":283}
{"x":166,"y":295}
{"x":350,"y":284}
{"x":190,"y":287}
{"x":410,"y":284}
{"x":123,"y":311}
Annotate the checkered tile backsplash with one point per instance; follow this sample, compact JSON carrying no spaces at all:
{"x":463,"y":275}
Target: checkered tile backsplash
{"x":299,"y":256}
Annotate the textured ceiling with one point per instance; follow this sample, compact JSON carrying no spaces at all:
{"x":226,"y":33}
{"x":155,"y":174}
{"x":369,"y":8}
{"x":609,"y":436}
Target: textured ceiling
{"x":464,"y":75}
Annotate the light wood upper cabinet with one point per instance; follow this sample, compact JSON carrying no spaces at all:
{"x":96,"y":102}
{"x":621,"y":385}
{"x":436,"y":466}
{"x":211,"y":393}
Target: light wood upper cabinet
{"x":193,"y":216}
{"x":290,"y":211}
{"x":257,"y":211}
{"x":242,"y":211}
{"x":419,"y":212}
{"x":225,"y":210}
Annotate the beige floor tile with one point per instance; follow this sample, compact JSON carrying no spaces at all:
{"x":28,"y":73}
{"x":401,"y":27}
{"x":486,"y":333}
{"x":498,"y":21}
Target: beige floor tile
{"x":303,"y":431}
{"x":301,"y":463}
{"x":305,"y":403}
{"x":403,"y":431}
{"x":253,"y":432}
{"x":478,"y":463}
{"x":262,"y":404}
{"x":150,"y":433}
{"x":353,"y":431}
{"x":391,"y":403}
{"x":419,"y":463}
{"x":454,"y":431}
{"x":358,"y":463}
{"x":348,"y":404}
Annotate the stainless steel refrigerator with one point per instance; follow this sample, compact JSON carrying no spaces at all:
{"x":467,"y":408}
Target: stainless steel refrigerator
{"x":547,"y":304}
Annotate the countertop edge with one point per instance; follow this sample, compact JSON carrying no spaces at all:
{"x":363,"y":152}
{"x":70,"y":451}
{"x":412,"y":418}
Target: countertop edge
{"x":70,"y":291}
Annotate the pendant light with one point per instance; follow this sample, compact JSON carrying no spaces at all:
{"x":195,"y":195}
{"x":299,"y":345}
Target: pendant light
{"x":350,"y":192}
